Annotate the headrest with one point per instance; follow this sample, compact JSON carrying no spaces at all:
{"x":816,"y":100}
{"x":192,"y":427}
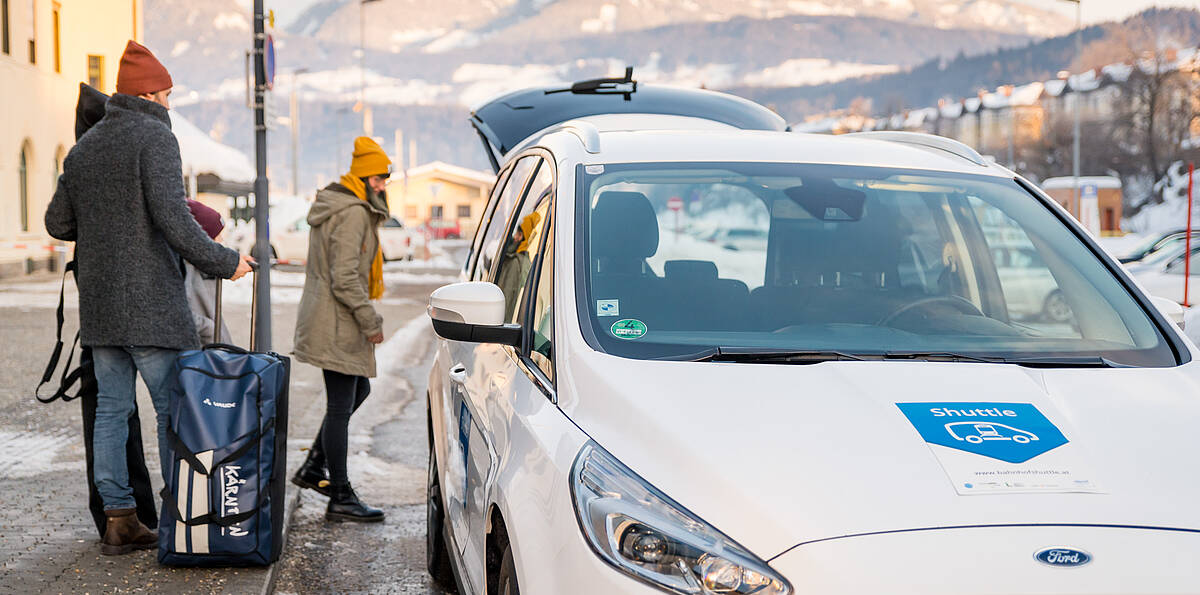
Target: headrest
{"x":624,"y":227}
{"x":697,"y":270}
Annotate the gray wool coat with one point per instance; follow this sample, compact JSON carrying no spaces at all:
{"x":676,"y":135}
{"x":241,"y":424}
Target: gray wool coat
{"x":121,"y":200}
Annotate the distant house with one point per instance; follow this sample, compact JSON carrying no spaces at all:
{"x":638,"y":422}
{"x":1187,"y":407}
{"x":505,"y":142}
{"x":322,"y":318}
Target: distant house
{"x":46,"y":50}
{"x":217,"y":175}
{"x":440,"y":192}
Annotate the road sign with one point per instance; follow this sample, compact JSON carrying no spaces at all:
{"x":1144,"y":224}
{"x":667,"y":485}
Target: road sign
{"x":675,"y":203}
{"x":270,"y":62}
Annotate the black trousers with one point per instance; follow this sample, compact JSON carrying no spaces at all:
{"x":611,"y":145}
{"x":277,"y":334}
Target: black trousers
{"x":344,"y":394}
{"x":135,"y":457}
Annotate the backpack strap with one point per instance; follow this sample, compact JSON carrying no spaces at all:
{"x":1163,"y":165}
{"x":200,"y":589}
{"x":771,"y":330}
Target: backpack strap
{"x":69,"y":377}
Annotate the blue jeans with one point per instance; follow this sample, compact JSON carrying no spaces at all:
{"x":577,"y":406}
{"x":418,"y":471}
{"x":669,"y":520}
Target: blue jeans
{"x":116,"y":371}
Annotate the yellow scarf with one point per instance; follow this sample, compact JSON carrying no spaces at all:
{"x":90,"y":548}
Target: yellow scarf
{"x":375,"y":285}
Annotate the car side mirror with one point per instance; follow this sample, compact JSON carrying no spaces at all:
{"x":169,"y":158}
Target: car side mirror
{"x":1172,"y":310}
{"x":472,"y":312}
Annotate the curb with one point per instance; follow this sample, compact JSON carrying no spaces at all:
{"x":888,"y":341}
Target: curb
{"x":293,"y":501}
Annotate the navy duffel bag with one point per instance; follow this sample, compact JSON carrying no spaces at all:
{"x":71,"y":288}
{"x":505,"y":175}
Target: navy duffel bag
{"x":223,"y":501}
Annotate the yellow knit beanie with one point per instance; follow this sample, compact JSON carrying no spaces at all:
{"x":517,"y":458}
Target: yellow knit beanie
{"x":369,"y":159}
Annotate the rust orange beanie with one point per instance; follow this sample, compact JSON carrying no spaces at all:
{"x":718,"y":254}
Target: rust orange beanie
{"x":141,"y":72}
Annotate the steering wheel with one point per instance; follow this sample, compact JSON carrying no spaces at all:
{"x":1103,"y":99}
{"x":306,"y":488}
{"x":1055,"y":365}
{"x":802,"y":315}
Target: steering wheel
{"x":959,"y":303}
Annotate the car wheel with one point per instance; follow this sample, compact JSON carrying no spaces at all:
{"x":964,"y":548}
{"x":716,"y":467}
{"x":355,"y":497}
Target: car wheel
{"x":507,"y":581}
{"x":437,"y":554}
{"x":1056,"y":308}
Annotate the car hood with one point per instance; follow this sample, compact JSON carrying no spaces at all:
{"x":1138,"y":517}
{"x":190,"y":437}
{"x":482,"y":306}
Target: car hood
{"x":777,"y":455}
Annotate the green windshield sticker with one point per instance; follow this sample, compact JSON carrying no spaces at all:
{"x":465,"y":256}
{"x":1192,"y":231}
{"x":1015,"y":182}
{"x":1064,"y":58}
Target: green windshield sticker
{"x":628,"y":328}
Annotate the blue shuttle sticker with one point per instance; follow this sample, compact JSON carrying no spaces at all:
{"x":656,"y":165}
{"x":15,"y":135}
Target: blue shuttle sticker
{"x":1010,"y":432}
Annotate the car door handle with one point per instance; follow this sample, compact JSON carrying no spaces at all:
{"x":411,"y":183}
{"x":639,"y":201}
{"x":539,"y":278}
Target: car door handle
{"x":458,"y":374}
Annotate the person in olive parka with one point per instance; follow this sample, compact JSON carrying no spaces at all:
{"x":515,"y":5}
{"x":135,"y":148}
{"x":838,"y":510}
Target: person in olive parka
{"x":337,"y":328}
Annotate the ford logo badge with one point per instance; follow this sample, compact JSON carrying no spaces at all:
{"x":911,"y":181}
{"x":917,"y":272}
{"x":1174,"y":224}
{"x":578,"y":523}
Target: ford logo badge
{"x":1063,"y":557}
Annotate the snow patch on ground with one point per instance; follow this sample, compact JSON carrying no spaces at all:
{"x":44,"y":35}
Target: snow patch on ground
{"x":26,"y":454}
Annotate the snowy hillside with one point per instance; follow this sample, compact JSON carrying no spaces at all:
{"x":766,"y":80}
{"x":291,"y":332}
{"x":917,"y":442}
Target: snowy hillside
{"x":429,"y":60}
{"x":442,"y":25}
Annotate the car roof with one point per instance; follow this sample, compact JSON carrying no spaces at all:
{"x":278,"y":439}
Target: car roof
{"x":714,"y":144}
{"x":508,"y":120}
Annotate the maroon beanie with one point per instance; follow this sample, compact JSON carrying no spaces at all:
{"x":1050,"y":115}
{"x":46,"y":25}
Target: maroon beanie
{"x":141,"y":72}
{"x":208,"y":219}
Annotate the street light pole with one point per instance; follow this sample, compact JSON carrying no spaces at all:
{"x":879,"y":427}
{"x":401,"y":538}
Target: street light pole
{"x":294,"y":116}
{"x":362,"y":64}
{"x":261,"y":341}
{"x":1078,"y":107}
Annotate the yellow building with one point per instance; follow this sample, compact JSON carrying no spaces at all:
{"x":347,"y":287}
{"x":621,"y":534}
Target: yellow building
{"x":440,"y":192}
{"x":47,"y":47}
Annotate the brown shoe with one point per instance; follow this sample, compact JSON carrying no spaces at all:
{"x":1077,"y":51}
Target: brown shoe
{"x":125,"y":533}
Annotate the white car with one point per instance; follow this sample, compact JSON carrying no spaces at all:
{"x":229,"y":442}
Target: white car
{"x":606,"y":420}
{"x":289,"y":239}
{"x":1163,"y":277}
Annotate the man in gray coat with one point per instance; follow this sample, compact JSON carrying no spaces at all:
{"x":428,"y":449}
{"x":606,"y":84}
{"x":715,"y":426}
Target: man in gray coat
{"x":121,"y":200}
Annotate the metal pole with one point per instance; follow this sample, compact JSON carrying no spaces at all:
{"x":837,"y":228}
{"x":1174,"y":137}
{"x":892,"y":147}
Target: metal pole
{"x":262,"y":212}
{"x":1187,"y":250}
{"x":1078,"y":104}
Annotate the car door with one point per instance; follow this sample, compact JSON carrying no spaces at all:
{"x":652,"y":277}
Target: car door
{"x":500,"y":375}
{"x":480,"y":375}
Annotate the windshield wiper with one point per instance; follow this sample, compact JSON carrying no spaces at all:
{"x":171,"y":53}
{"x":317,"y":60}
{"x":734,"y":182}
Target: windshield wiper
{"x":771,"y":356}
{"x":1083,"y":361}
{"x":603,"y":86}
{"x":940,"y":356}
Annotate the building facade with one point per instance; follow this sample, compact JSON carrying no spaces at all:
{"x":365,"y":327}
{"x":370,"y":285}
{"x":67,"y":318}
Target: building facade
{"x":48,"y":47}
{"x":440,"y":192}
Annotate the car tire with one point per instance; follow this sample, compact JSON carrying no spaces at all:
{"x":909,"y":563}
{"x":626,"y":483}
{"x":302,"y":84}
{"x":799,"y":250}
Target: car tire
{"x":437,"y":554}
{"x":1056,"y":309}
{"x":506,"y":582}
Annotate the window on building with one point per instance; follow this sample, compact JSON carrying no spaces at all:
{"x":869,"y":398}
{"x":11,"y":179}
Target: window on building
{"x":95,"y":72}
{"x":23,"y":186}
{"x":410,"y":211}
{"x":56,"y":167}
{"x":436,"y":211}
{"x":33,"y":31}
{"x":4,"y":29}
{"x":57,"y":38}
{"x":464,"y":211}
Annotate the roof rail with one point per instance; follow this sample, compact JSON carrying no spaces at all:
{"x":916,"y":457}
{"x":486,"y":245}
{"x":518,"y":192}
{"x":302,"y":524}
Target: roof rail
{"x":926,"y":141}
{"x":585,"y":131}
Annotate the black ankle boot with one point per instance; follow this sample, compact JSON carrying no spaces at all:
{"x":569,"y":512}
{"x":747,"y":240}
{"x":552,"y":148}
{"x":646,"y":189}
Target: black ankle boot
{"x":344,"y":505}
{"x":312,"y":474}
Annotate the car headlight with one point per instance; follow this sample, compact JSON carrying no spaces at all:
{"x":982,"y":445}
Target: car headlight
{"x":641,"y":531}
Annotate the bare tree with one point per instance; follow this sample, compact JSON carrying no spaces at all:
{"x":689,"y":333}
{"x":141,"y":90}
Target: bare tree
{"x":1157,"y":109}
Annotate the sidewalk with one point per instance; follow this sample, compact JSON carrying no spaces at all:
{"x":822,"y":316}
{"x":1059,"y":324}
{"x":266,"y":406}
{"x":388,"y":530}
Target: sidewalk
{"x":48,"y":543}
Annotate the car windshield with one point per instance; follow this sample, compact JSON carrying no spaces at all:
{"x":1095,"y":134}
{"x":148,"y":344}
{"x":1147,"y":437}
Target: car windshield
{"x":688,"y":258}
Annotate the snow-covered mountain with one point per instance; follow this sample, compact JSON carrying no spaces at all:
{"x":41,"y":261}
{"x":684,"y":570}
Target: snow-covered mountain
{"x":441,"y":25}
{"x":429,"y":60}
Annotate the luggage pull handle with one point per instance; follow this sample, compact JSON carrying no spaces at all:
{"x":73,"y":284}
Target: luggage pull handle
{"x":216,"y":338}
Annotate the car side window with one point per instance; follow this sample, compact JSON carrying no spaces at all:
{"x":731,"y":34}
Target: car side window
{"x":493,"y":236}
{"x":393,"y":222}
{"x":541,"y":319}
{"x":493,"y":197}
{"x":522,"y":242}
